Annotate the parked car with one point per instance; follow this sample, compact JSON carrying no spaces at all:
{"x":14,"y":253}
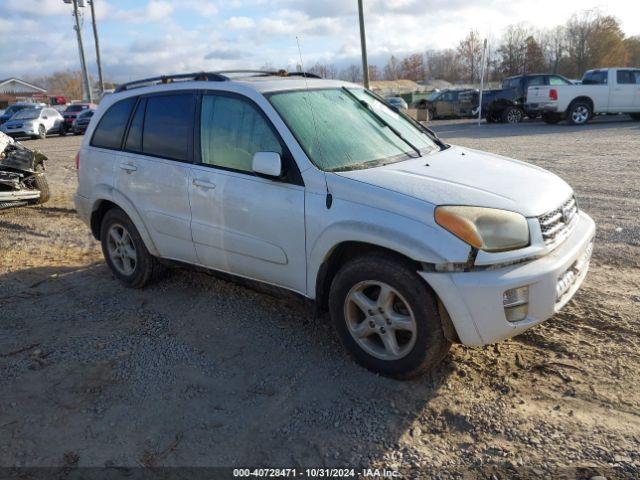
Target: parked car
{"x":22,"y":177}
{"x":81,"y":122}
{"x":450,"y":103}
{"x":16,"y":107}
{"x":34,"y":123}
{"x":409,"y":242}
{"x":507,"y":104}
{"x":72,"y":111}
{"x":602,"y":91}
{"x":397,"y":102}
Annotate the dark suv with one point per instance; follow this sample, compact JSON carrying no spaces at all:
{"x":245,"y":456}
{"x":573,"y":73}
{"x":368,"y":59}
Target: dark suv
{"x":507,"y":104}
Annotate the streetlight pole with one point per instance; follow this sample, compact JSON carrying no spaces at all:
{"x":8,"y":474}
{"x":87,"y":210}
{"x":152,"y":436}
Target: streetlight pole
{"x":363,"y":45}
{"x":88,"y":94}
{"x":95,"y":36}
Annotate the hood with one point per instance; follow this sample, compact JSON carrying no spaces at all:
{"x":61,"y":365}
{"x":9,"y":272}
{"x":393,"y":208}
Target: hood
{"x":461,"y":176}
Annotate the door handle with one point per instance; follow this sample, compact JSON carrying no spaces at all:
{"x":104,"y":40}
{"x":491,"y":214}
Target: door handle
{"x":128,"y":167}
{"x":203,"y":184}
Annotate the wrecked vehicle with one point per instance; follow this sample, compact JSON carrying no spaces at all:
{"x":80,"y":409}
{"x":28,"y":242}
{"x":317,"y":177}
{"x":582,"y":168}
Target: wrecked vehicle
{"x":22,"y":177}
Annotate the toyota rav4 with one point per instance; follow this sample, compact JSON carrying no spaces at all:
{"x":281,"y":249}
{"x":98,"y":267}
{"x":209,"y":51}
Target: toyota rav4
{"x":320,"y":187}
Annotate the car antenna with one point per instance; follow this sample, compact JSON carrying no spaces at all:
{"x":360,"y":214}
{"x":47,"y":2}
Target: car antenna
{"x":329,"y":199}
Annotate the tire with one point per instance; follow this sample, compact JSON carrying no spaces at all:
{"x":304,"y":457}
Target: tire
{"x":512,"y":115}
{"x":579,"y":113}
{"x":39,"y":182}
{"x":142,"y":266}
{"x":490,"y":119}
{"x":635,"y":116}
{"x":551,"y":118}
{"x":42,"y":132}
{"x":419,"y":348}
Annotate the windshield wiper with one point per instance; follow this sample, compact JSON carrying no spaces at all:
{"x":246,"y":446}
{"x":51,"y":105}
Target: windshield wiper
{"x":382,"y":120}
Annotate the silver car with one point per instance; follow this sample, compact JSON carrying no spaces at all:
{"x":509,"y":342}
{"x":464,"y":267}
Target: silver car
{"x":34,"y":123}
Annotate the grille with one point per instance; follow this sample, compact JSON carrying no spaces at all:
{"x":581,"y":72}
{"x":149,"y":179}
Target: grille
{"x":557,"y":224}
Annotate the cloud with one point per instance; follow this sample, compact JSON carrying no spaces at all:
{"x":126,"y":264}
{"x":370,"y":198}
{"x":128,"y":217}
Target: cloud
{"x":240,"y":23}
{"x":222,"y":54}
{"x":33,"y":8}
{"x":154,"y":11}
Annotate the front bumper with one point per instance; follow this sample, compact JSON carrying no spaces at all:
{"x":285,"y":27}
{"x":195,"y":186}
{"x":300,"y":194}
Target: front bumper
{"x":18,"y":195}
{"x":20,"y":132}
{"x":474,"y":300}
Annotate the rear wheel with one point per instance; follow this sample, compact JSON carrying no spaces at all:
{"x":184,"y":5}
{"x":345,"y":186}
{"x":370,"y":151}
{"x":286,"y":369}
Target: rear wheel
{"x":40,"y":183}
{"x":512,"y":115}
{"x":387,"y":317}
{"x":579,"y":113}
{"x":42,"y":132}
{"x":125,"y":252}
{"x":551,"y":118}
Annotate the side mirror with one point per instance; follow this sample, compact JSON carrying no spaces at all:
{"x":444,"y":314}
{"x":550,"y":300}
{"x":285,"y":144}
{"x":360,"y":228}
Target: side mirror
{"x":267,"y":163}
{"x":44,"y":117}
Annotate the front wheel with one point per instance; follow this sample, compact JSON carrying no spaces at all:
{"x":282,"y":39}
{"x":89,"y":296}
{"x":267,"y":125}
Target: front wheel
{"x":387,"y":317}
{"x":125,"y":252}
{"x":42,"y":132}
{"x":579,"y":113}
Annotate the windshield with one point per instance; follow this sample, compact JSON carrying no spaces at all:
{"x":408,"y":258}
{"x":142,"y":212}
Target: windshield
{"x":433,"y":95}
{"x":14,"y":109}
{"x":86,"y":114}
{"x":26,"y":114}
{"x":347,"y":129}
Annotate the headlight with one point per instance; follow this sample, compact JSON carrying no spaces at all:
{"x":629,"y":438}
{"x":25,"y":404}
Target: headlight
{"x":487,"y":229}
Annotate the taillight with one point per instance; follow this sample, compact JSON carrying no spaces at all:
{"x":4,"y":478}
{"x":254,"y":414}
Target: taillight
{"x":553,"y":94}
{"x":78,"y":161}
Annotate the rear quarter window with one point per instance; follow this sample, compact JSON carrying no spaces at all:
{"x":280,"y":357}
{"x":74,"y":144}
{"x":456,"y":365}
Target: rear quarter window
{"x":110,"y":129}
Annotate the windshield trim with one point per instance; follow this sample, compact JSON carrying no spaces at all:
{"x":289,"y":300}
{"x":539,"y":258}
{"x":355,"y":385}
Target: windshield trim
{"x":377,"y":162}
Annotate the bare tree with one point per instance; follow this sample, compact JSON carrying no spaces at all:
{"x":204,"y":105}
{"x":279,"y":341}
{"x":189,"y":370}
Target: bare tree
{"x":512,"y":51}
{"x":470,"y":52}
{"x":443,"y":65}
{"x":353,"y":73}
{"x":392,"y":69}
{"x":412,"y":67}
{"x":324,"y":70}
{"x":579,"y":28}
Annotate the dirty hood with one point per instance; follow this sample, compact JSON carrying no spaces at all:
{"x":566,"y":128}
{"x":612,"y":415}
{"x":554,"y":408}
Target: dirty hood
{"x":462,"y":176}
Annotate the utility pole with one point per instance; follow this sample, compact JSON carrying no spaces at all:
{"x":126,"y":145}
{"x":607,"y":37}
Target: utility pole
{"x":88,"y":94}
{"x":95,"y":36}
{"x":484,"y":61}
{"x":363,"y":45}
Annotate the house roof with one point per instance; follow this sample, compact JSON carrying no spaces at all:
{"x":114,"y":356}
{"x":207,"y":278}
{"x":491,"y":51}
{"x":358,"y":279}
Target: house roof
{"x":30,"y":87}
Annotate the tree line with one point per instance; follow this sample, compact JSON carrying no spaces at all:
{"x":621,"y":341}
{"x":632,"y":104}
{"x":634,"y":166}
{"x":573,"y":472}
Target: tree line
{"x":589,"y":39}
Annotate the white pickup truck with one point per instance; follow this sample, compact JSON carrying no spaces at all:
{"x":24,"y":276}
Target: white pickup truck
{"x":602,"y":91}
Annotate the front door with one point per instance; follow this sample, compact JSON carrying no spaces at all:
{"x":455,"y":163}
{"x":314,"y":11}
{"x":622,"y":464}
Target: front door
{"x":243,"y":223}
{"x":625,"y":92}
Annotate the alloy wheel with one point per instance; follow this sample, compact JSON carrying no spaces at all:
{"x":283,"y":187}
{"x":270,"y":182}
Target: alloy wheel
{"x":122,"y":250}
{"x":380,"y":320}
{"x":580,"y":114}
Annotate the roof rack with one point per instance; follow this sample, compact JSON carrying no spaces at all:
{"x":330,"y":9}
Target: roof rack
{"x":218,"y":76}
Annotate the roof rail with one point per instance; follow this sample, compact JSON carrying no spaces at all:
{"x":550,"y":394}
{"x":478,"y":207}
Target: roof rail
{"x":218,"y":76}
{"x":206,"y":76}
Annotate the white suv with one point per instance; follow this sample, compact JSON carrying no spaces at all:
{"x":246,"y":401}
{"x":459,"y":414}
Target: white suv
{"x":319,"y":187}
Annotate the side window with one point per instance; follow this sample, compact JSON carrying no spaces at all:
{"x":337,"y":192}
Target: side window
{"x":109,"y":132}
{"x":168,"y":126}
{"x":231,"y":131}
{"x":134,"y":137}
{"x":535,"y":81}
{"x":596,"y":77}
{"x":627,"y":76}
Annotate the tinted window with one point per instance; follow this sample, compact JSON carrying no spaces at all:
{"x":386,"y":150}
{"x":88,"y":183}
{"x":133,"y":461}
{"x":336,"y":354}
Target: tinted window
{"x":109,"y":132}
{"x":134,"y":138}
{"x":535,"y":81}
{"x":76,"y":108}
{"x":168,"y":126}
{"x":598,"y":77}
{"x":231,"y":131}
{"x":628,"y":76}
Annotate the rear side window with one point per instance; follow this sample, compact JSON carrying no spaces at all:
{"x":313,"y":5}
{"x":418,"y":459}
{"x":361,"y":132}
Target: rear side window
{"x":597,"y":77}
{"x":168,"y":126}
{"x":231,"y":131}
{"x":535,"y":81}
{"x":134,"y":138}
{"x":627,"y":77}
{"x":112,"y":125}
{"x":553,"y":80}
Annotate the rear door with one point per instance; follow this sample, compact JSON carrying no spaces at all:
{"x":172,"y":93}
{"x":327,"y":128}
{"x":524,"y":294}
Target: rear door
{"x":242,"y":223}
{"x":153,"y":170}
{"x":625,"y":91}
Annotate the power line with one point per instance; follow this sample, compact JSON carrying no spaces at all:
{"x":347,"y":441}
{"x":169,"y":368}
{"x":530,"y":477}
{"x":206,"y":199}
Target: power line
{"x":88,"y":94}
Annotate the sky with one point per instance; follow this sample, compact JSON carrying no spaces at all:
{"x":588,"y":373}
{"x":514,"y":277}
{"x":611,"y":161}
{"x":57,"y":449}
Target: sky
{"x":140,"y":38}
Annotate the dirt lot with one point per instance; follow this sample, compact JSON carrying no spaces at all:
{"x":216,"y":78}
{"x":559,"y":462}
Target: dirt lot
{"x":198,"y":371}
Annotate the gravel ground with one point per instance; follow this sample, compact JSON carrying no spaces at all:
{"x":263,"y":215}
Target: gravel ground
{"x":198,"y":371}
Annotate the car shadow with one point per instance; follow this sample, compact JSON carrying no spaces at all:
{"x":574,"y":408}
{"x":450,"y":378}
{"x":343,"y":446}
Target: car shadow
{"x":192,"y":371}
{"x":470,"y":128}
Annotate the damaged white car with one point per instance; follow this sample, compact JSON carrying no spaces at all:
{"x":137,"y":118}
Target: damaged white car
{"x":22,"y":177}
